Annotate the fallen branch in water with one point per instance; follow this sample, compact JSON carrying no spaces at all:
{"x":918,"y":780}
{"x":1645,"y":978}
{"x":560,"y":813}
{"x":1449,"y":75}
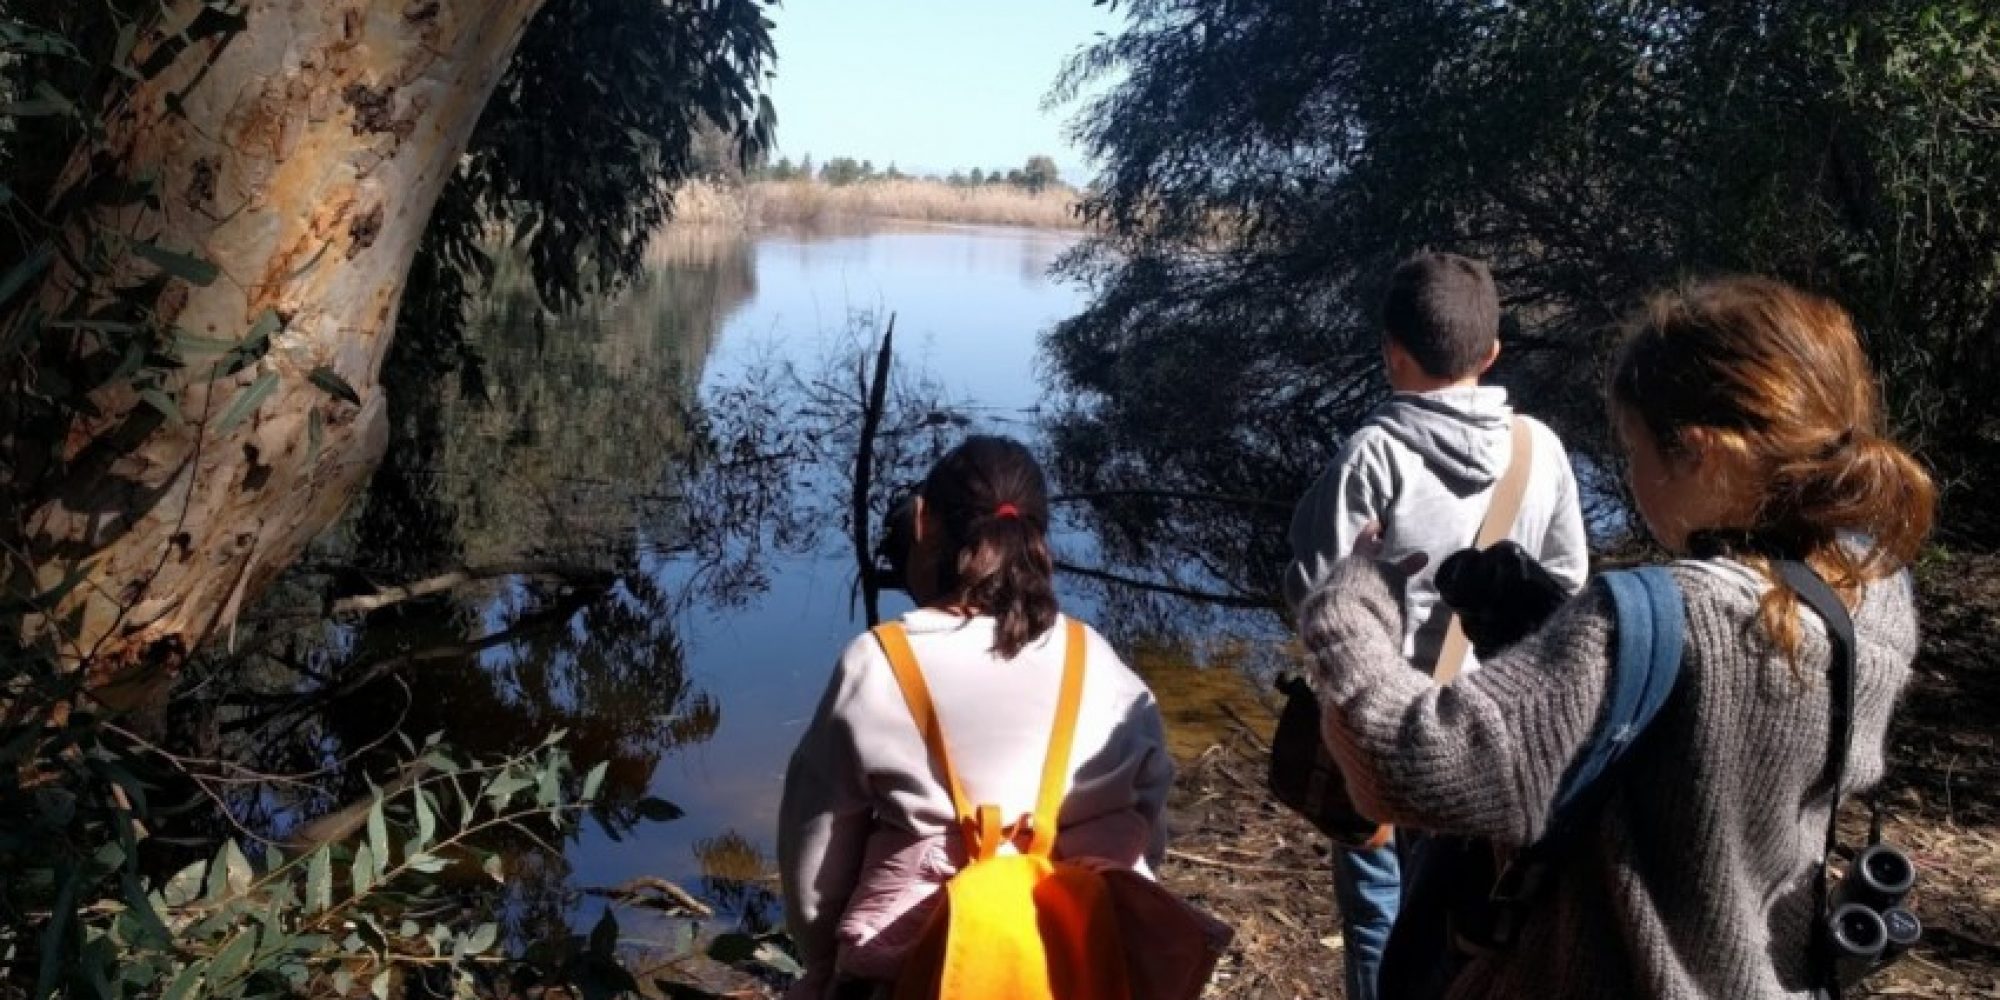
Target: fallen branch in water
{"x":363,"y":603}
{"x":664,"y":895}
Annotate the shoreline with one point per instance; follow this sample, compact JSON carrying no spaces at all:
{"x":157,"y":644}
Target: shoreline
{"x":801,"y":204}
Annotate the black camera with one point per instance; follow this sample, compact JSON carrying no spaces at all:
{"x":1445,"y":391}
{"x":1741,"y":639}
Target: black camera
{"x":1866,"y":926}
{"x":892,"y":553}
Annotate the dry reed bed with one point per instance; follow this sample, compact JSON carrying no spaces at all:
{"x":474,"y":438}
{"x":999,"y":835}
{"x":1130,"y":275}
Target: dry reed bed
{"x":812,"y":204}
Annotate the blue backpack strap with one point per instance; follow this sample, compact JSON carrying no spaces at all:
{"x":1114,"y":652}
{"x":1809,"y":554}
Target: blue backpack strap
{"x":1651,"y":632}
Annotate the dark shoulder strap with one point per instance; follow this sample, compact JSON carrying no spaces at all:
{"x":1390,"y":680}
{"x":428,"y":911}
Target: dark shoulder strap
{"x":1651,"y":633}
{"x":1815,"y":593}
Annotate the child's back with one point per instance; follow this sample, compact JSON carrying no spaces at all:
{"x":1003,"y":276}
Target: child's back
{"x":1424,"y":467}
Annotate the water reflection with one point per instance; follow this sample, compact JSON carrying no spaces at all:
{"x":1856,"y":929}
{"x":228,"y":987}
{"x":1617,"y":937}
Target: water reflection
{"x":648,"y":507}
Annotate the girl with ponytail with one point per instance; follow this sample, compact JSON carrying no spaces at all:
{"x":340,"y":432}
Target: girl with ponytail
{"x":1753,"y":433}
{"x":868,"y":830}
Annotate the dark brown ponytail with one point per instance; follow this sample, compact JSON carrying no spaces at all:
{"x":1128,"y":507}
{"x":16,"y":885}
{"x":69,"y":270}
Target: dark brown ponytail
{"x":993,"y":504}
{"x":1779,"y":376}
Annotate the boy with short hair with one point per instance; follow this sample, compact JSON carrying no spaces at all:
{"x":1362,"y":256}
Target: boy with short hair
{"x":1424,"y":467}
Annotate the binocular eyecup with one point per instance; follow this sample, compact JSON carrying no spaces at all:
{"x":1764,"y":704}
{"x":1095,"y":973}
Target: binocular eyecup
{"x":1868,"y":927}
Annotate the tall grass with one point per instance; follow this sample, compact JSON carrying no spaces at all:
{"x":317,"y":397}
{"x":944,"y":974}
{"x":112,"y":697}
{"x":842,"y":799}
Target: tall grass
{"x":810,"y":204}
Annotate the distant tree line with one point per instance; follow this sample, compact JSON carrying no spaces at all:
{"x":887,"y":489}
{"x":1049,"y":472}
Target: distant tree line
{"x":1038,"y":174}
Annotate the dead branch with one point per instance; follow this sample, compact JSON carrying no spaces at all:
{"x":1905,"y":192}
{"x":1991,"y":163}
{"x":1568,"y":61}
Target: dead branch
{"x":864,"y":467}
{"x":363,"y":603}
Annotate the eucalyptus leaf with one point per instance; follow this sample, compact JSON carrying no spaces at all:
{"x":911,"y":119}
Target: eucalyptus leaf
{"x":25,"y":271}
{"x":482,"y":938}
{"x":380,"y":988}
{"x":378,"y":831}
{"x":363,"y":870}
{"x":234,"y":956}
{"x":319,"y":880}
{"x":426,"y":819}
{"x":163,"y":404}
{"x":246,"y":402}
{"x":330,"y":381}
{"x":185,"y":886}
{"x":183,"y":984}
{"x":594,"y":780}
{"x":187,"y":267}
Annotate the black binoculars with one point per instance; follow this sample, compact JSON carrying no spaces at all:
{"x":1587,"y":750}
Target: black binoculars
{"x":1866,"y":924}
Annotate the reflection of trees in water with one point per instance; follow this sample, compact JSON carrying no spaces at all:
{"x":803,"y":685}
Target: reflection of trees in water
{"x":580,"y":446}
{"x":559,"y":448}
{"x":739,"y":880}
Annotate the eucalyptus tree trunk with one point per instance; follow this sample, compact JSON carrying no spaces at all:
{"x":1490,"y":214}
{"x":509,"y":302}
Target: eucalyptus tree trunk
{"x":300,"y":154}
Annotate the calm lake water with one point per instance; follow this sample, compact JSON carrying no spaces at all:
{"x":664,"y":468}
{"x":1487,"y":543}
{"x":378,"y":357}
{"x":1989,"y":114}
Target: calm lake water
{"x":686,"y":446}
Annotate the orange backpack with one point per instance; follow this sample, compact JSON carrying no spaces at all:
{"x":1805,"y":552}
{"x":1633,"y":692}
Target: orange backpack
{"x":1019,"y":926}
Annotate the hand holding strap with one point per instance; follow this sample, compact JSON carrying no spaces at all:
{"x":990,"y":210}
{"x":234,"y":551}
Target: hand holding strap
{"x":1501,"y":511}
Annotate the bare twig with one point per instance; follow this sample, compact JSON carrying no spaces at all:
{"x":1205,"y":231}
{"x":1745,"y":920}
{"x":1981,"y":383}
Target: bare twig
{"x":1247,"y":601}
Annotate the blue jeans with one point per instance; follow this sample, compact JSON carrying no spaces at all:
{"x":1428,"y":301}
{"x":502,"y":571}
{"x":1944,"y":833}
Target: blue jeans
{"x":1368,"y":885}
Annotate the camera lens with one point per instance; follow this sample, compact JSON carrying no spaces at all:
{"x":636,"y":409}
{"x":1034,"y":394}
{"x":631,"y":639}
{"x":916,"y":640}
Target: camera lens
{"x":1882,"y":875}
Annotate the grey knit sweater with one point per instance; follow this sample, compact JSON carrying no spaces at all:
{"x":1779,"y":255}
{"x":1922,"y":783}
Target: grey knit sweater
{"x":1695,"y":880}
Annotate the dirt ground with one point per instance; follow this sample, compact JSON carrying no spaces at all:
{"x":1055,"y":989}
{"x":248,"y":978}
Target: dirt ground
{"x":1267,"y":873}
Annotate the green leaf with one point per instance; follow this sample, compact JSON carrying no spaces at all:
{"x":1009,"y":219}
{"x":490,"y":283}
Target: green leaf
{"x":426,"y":820}
{"x":504,"y":787}
{"x":548,"y":791}
{"x":776,"y":959}
{"x":378,"y":831}
{"x":363,"y":870}
{"x":594,"y":780}
{"x":189,"y":345}
{"x":343,"y":982}
{"x":335,"y":386}
{"x":319,"y":880}
{"x":25,"y":271}
{"x":187,"y":267}
{"x":56,"y":933}
{"x":236,"y":868}
{"x":659,"y":810}
{"x":184,"y":981}
{"x":234,"y":956}
{"x":163,"y":404}
{"x":482,"y":938}
{"x":266,"y":324}
{"x":185,"y":886}
{"x":429,"y":864}
{"x":121,"y":57}
{"x":246,"y":402}
{"x":604,"y":936}
{"x":380,"y":988}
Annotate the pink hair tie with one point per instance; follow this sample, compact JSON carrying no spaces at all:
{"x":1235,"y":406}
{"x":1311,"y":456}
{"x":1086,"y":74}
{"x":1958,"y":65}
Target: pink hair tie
{"x":1006,"y":510}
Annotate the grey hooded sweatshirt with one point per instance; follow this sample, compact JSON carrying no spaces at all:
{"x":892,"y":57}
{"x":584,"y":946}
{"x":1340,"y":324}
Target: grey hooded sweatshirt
{"x":1424,"y":465}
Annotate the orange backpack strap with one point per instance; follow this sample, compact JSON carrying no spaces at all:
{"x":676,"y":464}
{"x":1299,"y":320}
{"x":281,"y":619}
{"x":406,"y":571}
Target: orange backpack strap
{"x":1055,"y":768}
{"x":903,"y":661}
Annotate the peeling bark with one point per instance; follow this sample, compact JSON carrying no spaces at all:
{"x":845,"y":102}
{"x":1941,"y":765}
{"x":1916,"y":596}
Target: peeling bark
{"x":302,"y":155}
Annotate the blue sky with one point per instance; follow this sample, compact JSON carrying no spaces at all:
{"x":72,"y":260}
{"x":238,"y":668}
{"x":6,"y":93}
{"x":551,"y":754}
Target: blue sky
{"x":933,"y":85}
